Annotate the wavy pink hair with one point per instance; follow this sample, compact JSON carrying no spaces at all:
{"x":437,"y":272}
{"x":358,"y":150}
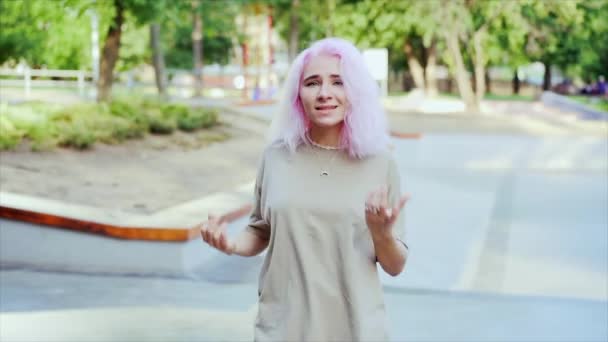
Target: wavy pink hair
{"x":364,"y":131}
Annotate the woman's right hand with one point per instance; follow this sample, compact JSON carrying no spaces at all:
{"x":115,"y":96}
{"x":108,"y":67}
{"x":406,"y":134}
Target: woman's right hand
{"x":214,"y":233}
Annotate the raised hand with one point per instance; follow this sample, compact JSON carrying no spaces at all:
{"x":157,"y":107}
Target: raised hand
{"x":379,"y":215}
{"x":213,"y":232}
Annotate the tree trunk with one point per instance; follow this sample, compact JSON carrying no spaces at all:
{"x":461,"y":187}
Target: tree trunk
{"x":294,"y":32}
{"x":109,"y":56}
{"x":488,"y":81}
{"x":197,"y":47}
{"x":462,"y":78}
{"x":416,"y":69}
{"x":547,"y":76}
{"x":516,"y":82}
{"x":430,"y":72}
{"x":480,"y":72}
{"x":158,"y":60}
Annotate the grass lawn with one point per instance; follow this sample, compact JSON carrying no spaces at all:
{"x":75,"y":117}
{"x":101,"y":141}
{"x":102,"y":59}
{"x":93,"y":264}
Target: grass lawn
{"x":593,"y":102}
{"x":490,"y":96}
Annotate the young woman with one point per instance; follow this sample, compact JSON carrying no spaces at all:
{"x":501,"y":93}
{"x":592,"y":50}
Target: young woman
{"x":327,"y":205}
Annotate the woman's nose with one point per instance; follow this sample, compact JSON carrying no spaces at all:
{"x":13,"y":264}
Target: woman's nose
{"x":324,"y":91}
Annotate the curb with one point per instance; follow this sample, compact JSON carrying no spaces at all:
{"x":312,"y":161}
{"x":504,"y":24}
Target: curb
{"x":113,"y":231}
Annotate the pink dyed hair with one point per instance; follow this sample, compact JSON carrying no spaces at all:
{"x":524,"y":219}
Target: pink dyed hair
{"x":365,"y":130}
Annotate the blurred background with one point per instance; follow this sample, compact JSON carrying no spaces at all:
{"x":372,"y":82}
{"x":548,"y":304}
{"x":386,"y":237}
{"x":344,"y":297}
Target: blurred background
{"x":123,"y":123}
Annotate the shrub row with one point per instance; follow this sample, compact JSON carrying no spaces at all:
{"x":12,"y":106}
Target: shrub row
{"x":80,"y":126}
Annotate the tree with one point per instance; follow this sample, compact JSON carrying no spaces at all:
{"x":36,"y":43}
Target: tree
{"x":294,"y":31}
{"x":556,"y":34}
{"x":398,"y":26}
{"x":300,"y":22}
{"x":593,"y":57}
{"x":49,"y":34}
{"x":143,"y":11}
{"x":158,"y":59}
{"x":469,"y":21}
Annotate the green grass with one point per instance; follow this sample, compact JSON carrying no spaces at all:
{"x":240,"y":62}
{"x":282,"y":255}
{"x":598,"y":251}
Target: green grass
{"x":592,"y":102}
{"x":513,"y":97}
{"x":80,"y":126}
{"x":496,"y":97}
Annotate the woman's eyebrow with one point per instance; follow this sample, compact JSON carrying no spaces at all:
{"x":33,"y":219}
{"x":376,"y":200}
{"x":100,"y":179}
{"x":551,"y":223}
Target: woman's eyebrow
{"x":317,"y":76}
{"x":310,"y":77}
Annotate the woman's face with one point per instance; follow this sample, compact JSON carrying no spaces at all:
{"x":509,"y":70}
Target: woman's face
{"x":322,"y":92}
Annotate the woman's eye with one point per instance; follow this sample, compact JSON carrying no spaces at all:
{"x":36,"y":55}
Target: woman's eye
{"x":338,"y":83}
{"x":310,"y":84}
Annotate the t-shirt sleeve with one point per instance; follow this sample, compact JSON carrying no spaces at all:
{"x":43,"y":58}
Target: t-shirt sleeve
{"x":257,"y":224}
{"x":394,"y":193}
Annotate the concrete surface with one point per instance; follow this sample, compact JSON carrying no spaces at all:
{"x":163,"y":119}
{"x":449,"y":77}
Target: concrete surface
{"x":508,"y":234}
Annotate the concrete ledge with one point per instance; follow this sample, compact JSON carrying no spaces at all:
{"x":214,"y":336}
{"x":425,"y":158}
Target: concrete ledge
{"x":53,"y":235}
{"x":26,"y":245}
{"x":118,"y":232}
{"x":172,"y":224}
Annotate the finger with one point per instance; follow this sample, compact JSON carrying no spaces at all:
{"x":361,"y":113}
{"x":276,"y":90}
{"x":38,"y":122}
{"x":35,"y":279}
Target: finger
{"x":399,"y":206}
{"x":224,"y":244}
{"x":373,"y":202}
{"x":383,"y":196}
{"x":403,"y":200}
{"x":370,"y":199}
{"x":376,"y":198}
{"x":203,"y":230}
{"x":369,"y":202}
{"x":383,"y":203}
{"x":217,"y":235}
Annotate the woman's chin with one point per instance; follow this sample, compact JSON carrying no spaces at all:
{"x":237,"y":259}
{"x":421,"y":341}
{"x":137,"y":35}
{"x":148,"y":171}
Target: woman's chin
{"x":328,"y":121}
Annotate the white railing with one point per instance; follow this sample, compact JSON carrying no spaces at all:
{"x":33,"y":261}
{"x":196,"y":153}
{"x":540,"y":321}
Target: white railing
{"x":24,"y":76}
{"x":181,"y":79}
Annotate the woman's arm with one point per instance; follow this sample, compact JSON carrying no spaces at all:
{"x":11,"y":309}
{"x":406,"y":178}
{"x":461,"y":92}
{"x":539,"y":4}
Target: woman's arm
{"x":381,"y":220}
{"x":391,"y":253}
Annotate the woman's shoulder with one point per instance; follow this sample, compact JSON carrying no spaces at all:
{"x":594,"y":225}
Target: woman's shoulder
{"x":274,"y":150}
{"x":385,"y":156}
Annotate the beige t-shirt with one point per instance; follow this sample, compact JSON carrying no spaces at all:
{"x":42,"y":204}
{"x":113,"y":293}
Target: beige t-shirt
{"x":319,"y":280}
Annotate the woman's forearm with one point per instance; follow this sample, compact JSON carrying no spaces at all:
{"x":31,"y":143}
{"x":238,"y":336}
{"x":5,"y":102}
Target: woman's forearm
{"x":391,"y":254}
{"x":248,"y":244}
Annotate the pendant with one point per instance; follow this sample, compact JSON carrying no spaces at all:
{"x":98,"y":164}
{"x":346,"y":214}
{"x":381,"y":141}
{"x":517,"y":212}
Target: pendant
{"x":324,"y":173}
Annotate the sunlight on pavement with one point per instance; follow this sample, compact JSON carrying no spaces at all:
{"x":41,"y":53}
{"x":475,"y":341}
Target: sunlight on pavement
{"x":128,"y":324}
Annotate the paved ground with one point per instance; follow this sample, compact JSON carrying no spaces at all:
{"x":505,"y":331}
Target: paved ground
{"x":143,"y":176}
{"x":67,"y":307}
{"x":507,"y":227}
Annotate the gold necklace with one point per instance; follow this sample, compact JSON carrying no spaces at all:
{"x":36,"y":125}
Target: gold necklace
{"x":325,"y":147}
{"x":332,"y":149}
{"x":325,"y":171}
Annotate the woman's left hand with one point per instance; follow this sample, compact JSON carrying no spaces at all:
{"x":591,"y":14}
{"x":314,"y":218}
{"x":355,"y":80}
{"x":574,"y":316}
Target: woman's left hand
{"x":379,"y":214}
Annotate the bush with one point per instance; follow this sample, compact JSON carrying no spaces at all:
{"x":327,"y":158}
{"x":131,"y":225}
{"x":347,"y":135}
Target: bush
{"x":137,"y":118}
{"x":196,"y":119}
{"x":81,"y":125}
{"x":10,"y":136}
{"x":161,"y":123}
{"x":43,"y":136}
{"x":77,"y":135}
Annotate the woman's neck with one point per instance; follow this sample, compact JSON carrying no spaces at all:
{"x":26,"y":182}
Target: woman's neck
{"x":326,"y":136}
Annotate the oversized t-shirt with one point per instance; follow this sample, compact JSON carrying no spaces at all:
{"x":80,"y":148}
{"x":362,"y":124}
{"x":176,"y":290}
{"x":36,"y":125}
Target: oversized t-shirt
{"x":319,"y":280}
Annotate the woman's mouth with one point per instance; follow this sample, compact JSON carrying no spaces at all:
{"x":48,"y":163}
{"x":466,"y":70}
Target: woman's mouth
{"x":324,"y":108}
